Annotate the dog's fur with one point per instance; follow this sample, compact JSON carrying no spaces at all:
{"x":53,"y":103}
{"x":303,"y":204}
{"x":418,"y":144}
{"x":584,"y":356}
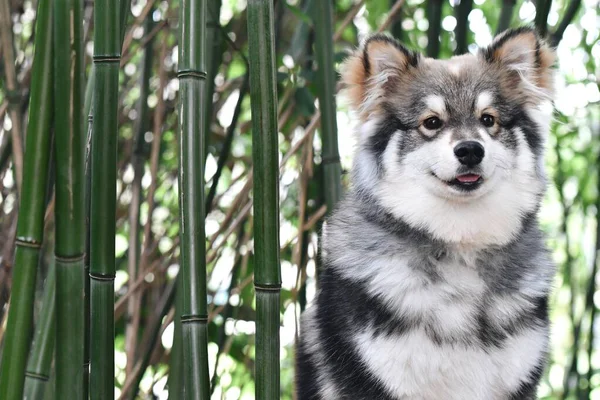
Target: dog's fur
{"x":431,"y":289}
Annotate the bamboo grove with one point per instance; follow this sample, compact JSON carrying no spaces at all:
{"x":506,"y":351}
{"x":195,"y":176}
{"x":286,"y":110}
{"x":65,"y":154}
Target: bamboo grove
{"x":165,"y":168}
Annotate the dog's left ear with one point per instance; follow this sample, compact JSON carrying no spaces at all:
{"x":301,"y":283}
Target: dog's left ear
{"x":380,"y":63}
{"x":526,"y":58}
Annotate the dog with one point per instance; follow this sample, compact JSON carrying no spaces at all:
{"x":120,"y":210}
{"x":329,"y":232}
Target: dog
{"x":435,"y":278}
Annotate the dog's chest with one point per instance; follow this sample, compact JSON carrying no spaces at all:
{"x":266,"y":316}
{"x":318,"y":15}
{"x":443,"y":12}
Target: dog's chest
{"x":448,"y":350}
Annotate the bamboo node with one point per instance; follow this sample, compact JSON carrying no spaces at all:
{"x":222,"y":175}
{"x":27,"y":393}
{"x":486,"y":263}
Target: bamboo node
{"x":267,"y":288}
{"x":40,"y":377}
{"x":69,"y":259}
{"x":330,"y":160}
{"x":188,"y":73}
{"x":194,"y":318}
{"x":31,"y":243}
{"x":107,"y":59}
{"x":102,"y":277}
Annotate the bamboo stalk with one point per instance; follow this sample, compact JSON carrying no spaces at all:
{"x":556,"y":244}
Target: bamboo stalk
{"x":69,"y":203}
{"x":213,"y":58}
{"x":462,"y":26}
{"x":398,"y":32}
{"x":175,"y":382}
{"x":89,"y":113}
{"x":30,"y":225}
{"x":434,"y":16}
{"x":505,"y":15}
{"x":6,"y":41}
{"x":40,"y":357}
{"x":265,"y":154}
{"x":542,"y":9}
{"x":107,"y":47}
{"x":192,"y":124}
{"x":326,"y":78}
{"x":572,"y":10}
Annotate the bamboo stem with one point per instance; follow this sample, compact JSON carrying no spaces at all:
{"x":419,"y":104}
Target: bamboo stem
{"x":434,"y":15}
{"x":40,"y":357}
{"x":572,"y":10}
{"x":107,"y":47}
{"x":265,"y":152}
{"x":30,"y":225}
{"x":462,"y":27}
{"x":69,"y":197}
{"x":323,"y":20}
{"x":192,"y":75}
{"x":542,"y":9}
{"x":6,"y":40}
{"x":505,"y":15}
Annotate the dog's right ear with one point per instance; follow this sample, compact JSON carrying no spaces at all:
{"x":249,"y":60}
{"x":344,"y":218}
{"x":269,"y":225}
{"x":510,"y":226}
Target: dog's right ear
{"x":380,"y":62}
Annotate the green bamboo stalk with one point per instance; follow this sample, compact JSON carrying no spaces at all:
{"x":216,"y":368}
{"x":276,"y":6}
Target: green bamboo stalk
{"x":107,"y":54}
{"x":213,"y":57}
{"x":69,"y":204}
{"x":265,"y":152}
{"x":542,"y":9}
{"x":192,"y":124}
{"x":89,"y":114}
{"x":397,"y":30}
{"x":40,"y":357}
{"x":175,"y":382}
{"x":12,"y":92}
{"x":30,"y":228}
{"x":505,"y":15}
{"x":462,"y":26}
{"x":86,"y":260}
{"x":434,"y":16}
{"x":572,"y":10}
{"x":323,"y":20}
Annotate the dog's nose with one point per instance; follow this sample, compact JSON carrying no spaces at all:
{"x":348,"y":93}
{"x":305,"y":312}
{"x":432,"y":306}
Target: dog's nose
{"x":469,"y":153}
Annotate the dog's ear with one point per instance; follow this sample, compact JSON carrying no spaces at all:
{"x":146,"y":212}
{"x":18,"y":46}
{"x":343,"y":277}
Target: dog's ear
{"x":526,"y":58}
{"x":379,"y":62}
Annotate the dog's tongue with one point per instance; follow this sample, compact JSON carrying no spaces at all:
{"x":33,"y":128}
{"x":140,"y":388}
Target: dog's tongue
{"x":468,"y":178}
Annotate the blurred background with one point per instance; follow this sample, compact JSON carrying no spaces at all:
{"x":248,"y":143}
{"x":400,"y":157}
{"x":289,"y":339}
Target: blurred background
{"x":147,"y":247}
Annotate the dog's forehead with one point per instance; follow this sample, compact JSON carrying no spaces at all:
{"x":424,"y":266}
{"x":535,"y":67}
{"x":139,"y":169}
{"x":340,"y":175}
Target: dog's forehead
{"x":460,"y":81}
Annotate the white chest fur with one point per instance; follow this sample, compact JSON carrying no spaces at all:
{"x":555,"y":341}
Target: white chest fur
{"x":412,"y":365}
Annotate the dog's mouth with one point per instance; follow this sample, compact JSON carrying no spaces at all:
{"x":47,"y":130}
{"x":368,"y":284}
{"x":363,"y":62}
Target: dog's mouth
{"x":467,"y":182}
{"x":464,"y":182}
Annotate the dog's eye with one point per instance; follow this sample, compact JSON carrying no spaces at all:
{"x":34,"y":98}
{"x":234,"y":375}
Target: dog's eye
{"x":487,"y":120}
{"x":432,"y":123}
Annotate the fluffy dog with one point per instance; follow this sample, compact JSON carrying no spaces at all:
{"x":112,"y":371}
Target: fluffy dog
{"x":435,"y":277}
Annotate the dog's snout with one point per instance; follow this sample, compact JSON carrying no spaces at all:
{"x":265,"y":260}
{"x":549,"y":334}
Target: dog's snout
{"x":469,"y":153}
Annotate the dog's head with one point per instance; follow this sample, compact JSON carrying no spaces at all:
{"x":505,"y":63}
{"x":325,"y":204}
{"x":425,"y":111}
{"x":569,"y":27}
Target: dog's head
{"x":454,"y":147}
